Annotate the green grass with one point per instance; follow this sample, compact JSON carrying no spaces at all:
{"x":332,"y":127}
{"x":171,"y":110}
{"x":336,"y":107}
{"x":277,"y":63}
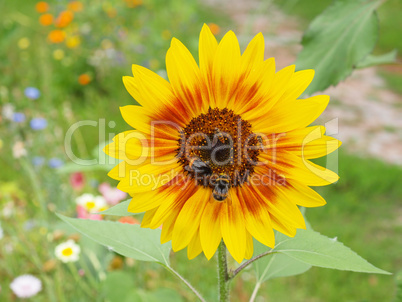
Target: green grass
{"x":393,"y":80}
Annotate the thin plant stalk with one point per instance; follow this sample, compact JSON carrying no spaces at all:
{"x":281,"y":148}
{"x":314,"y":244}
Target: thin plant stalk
{"x":223,"y":277}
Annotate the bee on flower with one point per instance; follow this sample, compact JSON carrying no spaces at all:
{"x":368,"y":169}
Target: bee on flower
{"x":68,"y":251}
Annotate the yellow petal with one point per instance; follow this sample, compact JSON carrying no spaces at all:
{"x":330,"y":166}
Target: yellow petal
{"x":147,"y":177}
{"x":249,"y":246}
{"x":188,"y":221}
{"x":272,"y":88}
{"x":137,"y":117}
{"x":282,"y":227}
{"x":148,"y":88}
{"x":194,"y":248}
{"x":129,"y":145}
{"x":207,"y":51}
{"x":171,"y":205}
{"x":291,"y":166}
{"x":168,"y":226}
{"x":307,"y":142}
{"x":255,"y":91}
{"x":279,"y":206}
{"x":132,"y":88}
{"x":303,"y":195}
{"x":146,"y":201}
{"x":158,"y":96}
{"x":253,"y":56}
{"x":300,"y":114}
{"x":233,"y":228}
{"x":146,"y":220}
{"x":256,"y":217}
{"x":226,"y":69}
{"x":184,"y":76}
{"x":297,"y":84}
{"x":210,"y":230}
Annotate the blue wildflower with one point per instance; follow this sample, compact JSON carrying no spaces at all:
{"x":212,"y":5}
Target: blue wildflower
{"x":93,"y":183}
{"x":38,"y":123}
{"x":18,"y":117}
{"x":55,"y":163}
{"x":32,"y":93}
{"x":38,"y":161}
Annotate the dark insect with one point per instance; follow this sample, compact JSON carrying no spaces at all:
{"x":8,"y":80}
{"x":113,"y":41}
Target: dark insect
{"x":199,"y":167}
{"x":259,"y":139}
{"x":221,"y":189}
{"x":218,"y":137}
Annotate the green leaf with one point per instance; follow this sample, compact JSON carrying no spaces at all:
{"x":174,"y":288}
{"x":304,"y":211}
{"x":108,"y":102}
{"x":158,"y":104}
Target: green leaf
{"x":119,"y":209}
{"x":371,"y":60}
{"x":318,"y":250}
{"x":276,"y":265}
{"x":125,"y":239}
{"x":337,"y":40}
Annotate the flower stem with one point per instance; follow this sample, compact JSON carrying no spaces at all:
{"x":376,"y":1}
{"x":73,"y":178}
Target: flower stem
{"x":255,"y":291}
{"x":247,"y":263}
{"x":185,"y":282}
{"x":223,"y":277}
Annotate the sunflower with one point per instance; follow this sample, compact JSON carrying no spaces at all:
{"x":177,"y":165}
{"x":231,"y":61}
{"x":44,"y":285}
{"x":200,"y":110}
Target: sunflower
{"x":223,"y":150}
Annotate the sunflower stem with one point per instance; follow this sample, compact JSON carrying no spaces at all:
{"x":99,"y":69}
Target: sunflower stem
{"x":247,"y":263}
{"x":223,"y":276}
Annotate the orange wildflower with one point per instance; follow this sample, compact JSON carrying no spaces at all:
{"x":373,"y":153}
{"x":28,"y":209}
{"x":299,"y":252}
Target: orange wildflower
{"x":215,"y":29}
{"x":46,"y":19}
{"x":133,"y":3}
{"x":75,"y":6}
{"x":56,"y":36}
{"x":64,"y":19}
{"x":129,"y":220}
{"x":42,"y":7}
{"x":84,"y":79}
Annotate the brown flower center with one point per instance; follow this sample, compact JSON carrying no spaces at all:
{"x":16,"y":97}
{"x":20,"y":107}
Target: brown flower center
{"x":219,"y":149}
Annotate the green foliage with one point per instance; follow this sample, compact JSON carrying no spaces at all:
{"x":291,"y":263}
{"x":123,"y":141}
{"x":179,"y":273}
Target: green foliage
{"x":318,"y":250}
{"x":276,"y":265}
{"x":125,"y":239}
{"x":337,"y":40}
{"x":372,"y":60}
{"x":119,"y":210}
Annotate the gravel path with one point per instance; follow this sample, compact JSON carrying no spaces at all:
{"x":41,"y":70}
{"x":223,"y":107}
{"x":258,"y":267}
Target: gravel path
{"x":369,"y":115}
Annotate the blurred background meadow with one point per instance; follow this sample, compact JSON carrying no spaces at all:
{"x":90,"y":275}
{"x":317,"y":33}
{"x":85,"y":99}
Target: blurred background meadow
{"x":62,"y":62}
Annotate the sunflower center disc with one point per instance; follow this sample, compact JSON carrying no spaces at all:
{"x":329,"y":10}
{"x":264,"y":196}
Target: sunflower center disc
{"x":218,"y":144}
